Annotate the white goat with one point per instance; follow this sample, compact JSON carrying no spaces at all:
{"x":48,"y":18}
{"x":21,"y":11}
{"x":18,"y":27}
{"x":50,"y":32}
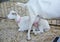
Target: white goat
{"x":45,"y":8}
{"x":48,"y":9}
{"x":24,"y":23}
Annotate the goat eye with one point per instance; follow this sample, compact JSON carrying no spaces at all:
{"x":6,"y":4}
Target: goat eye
{"x":13,"y":13}
{"x":38,"y":16}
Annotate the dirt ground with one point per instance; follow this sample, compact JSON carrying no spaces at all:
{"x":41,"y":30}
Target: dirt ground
{"x":9,"y":33}
{"x":9,"y":29}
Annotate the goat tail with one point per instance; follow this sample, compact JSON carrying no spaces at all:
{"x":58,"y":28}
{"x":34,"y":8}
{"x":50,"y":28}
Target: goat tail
{"x":20,"y":4}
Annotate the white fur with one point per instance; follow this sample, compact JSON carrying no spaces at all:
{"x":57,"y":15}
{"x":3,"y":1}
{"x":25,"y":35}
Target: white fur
{"x":45,"y":8}
{"x":44,"y":25}
{"x":23,"y":23}
{"x":26,"y":24}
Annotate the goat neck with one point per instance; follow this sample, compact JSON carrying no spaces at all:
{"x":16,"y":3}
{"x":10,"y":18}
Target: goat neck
{"x":18,"y":18}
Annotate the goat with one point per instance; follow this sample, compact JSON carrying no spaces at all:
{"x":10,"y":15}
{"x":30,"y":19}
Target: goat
{"x":46,"y":9}
{"x":24,"y":23}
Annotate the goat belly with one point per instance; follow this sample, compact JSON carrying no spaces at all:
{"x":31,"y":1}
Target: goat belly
{"x":35,"y":24}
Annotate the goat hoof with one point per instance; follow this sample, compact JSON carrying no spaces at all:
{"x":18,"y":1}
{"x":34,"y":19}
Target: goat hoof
{"x":19,"y":30}
{"x":28,"y":39}
{"x":35,"y":33}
